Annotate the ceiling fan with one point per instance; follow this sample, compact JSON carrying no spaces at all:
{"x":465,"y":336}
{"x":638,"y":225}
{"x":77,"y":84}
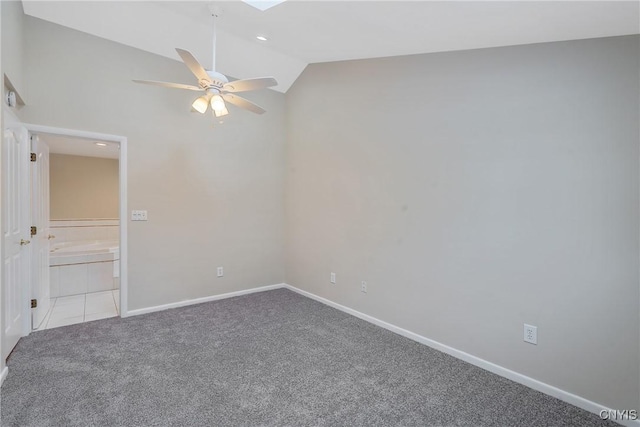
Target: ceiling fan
{"x":216,"y":87}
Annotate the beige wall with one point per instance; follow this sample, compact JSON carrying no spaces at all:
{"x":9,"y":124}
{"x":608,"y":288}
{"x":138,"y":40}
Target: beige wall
{"x":214,"y":194}
{"x":477,"y":191}
{"x":83,"y":187}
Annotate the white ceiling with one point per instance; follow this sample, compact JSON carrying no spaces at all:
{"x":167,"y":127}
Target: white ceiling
{"x":305,"y":31}
{"x":80,"y":147}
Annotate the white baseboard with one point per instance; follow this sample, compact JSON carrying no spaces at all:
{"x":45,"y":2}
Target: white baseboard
{"x":201,"y":300}
{"x":3,"y":375}
{"x":565,"y":396}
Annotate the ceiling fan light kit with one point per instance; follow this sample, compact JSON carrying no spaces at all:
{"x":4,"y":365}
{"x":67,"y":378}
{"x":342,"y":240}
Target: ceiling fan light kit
{"x":200,"y":104}
{"x":216,"y":87}
{"x":217,"y":103}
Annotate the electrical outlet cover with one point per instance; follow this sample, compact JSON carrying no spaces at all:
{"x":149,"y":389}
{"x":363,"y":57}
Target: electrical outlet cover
{"x":530,"y":334}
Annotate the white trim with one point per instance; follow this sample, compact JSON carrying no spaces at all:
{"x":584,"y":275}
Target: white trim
{"x":124,"y":224}
{"x":122,"y":140}
{"x":10,"y":117}
{"x":550,"y":390}
{"x":72,"y":223}
{"x":565,"y":396}
{"x":3,"y":375}
{"x":204,"y":299}
{"x":74,"y":133}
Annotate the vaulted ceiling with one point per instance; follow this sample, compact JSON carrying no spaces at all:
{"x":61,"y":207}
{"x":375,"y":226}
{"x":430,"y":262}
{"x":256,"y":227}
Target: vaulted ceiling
{"x":301,"y":32}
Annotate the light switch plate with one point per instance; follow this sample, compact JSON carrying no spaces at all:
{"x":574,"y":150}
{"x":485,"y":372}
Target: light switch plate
{"x":138,"y":215}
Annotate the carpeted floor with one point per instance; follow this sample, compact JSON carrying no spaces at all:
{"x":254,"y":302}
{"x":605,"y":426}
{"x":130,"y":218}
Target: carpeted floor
{"x":270,"y":358}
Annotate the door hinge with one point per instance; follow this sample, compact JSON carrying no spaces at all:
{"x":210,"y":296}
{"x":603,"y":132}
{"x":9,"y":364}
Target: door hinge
{"x":34,"y":303}
{"x":34,"y":230}
{"x":33,"y":157}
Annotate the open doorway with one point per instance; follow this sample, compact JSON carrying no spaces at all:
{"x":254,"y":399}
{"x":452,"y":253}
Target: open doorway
{"x":28,"y":235}
{"x":75,"y":202}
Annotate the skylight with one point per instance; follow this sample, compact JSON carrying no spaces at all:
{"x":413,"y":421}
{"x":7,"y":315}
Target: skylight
{"x":263,"y":4}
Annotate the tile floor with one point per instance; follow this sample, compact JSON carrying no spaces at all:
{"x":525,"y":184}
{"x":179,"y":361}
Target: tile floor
{"x":82,"y":308}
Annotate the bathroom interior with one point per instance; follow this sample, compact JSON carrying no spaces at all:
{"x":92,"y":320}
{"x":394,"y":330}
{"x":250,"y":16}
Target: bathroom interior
{"x":84,"y":261}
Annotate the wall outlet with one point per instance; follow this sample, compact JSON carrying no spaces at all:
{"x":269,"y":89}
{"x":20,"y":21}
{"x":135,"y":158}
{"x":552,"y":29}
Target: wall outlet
{"x":137,"y":215}
{"x":363,"y":286}
{"x":220,"y":271}
{"x":332,"y":278}
{"x":531,"y":334}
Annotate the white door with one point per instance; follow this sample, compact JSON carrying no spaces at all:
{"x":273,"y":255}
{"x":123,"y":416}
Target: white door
{"x":15,"y":234}
{"x":40,"y":287}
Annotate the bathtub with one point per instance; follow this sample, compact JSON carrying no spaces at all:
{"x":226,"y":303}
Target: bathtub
{"x":84,"y":266}
{"x":84,"y":248}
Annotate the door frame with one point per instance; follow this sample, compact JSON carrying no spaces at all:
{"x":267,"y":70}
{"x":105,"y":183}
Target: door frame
{"x":40,"y":243}
{"x":122,"y":140}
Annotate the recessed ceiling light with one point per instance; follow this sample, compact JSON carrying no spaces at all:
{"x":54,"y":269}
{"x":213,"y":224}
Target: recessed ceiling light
{"x":101,"y":144}
{"x":262,"y":38}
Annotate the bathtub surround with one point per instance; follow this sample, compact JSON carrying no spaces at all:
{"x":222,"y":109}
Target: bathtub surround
{"x":74,"y":230}
{"x":85,"y":256}
{"x":83,"y":187}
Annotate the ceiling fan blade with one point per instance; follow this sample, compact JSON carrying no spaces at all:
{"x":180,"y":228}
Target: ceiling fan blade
{"x":243,"y":103}
{"x":193,"y":64}
{"x":249,"y":84}
{"x":169,"y":85}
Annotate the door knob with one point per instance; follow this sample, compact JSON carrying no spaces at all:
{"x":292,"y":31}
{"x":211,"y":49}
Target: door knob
{"x":51,"y":236}
{"x":24,"y":242}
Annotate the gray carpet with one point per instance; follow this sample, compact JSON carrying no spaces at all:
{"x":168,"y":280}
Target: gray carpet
{"x":271,"y":358}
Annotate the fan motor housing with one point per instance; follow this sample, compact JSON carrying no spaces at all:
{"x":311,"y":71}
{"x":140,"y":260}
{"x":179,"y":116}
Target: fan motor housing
{"x":217,"y":80}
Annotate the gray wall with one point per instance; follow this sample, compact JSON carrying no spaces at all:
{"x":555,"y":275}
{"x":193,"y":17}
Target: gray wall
{"x":11,"y":22}
{"x":83,"y":187}
{"x":476,"y":191}
{"x":214,"y":194}
{"x":13,"y":45}
{"x":2,"y":361}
